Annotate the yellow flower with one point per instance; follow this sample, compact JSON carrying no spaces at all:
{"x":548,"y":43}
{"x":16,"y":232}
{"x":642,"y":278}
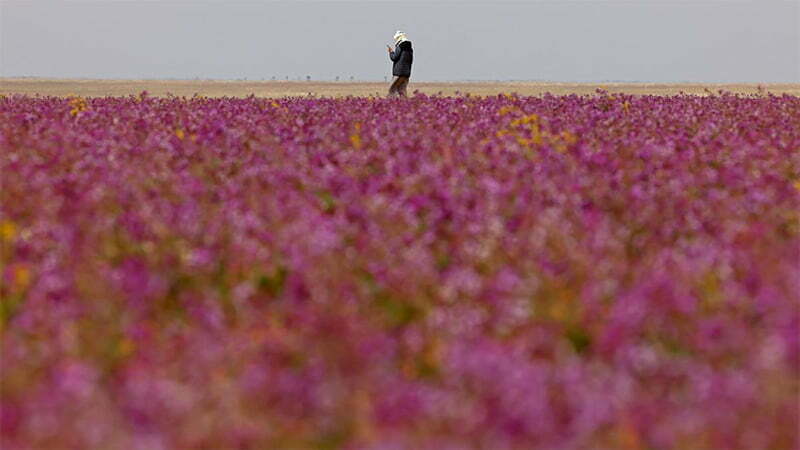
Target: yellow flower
{"x":568,"y":137}
{"x":8,"y":230}
{"x":531,"y":119}
{"x":22,"y":277}
{"x":505,"y":110}
{"x":179,"y":133}
{"x":536,"y":135}
{"x":78,"y":104}
{"x":355,"y":138}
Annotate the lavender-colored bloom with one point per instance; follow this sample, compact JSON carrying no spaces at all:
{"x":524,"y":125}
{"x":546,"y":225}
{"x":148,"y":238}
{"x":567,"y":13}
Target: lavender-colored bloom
{"x":507,"y":272}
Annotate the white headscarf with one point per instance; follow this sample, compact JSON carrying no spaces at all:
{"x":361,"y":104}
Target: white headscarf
{"x":400,"y":36}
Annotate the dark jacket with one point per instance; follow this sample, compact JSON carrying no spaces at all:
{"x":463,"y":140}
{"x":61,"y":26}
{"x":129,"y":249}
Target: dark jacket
{"x":403,"y":57}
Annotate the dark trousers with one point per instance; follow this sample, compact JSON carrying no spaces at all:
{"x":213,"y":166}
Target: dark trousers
{"x":398,"y":87}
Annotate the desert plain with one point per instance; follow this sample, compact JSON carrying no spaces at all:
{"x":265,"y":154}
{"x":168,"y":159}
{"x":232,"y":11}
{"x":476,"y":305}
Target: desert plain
{"x":224,"y":88}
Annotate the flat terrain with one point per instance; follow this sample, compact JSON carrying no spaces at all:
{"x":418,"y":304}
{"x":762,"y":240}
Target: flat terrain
{"x":214,"y":88}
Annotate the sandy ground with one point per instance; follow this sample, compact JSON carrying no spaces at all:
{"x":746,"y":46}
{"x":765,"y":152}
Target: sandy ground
{"x":99,"y":88}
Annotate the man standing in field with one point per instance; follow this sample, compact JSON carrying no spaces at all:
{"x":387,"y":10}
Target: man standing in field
{"x":402,"y":57}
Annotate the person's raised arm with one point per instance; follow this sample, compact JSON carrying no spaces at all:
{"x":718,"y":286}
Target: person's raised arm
{"x":394,"y":55}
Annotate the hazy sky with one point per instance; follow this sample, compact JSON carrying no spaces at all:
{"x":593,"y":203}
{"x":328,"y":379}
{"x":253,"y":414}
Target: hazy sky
{"x":644,"y":40}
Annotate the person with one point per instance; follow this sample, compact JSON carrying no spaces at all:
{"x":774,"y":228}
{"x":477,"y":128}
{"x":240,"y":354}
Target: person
{"x":402,"y":57}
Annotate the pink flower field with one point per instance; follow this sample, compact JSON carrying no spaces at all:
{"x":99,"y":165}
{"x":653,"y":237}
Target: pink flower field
{"x":555,"y":272}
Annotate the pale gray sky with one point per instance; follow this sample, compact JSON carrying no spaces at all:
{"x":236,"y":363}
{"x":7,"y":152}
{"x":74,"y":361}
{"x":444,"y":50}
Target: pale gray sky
{"x":644,"y":40}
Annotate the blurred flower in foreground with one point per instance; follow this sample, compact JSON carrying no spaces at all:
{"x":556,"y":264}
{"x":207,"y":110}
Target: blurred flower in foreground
{"x":500,"y":272}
